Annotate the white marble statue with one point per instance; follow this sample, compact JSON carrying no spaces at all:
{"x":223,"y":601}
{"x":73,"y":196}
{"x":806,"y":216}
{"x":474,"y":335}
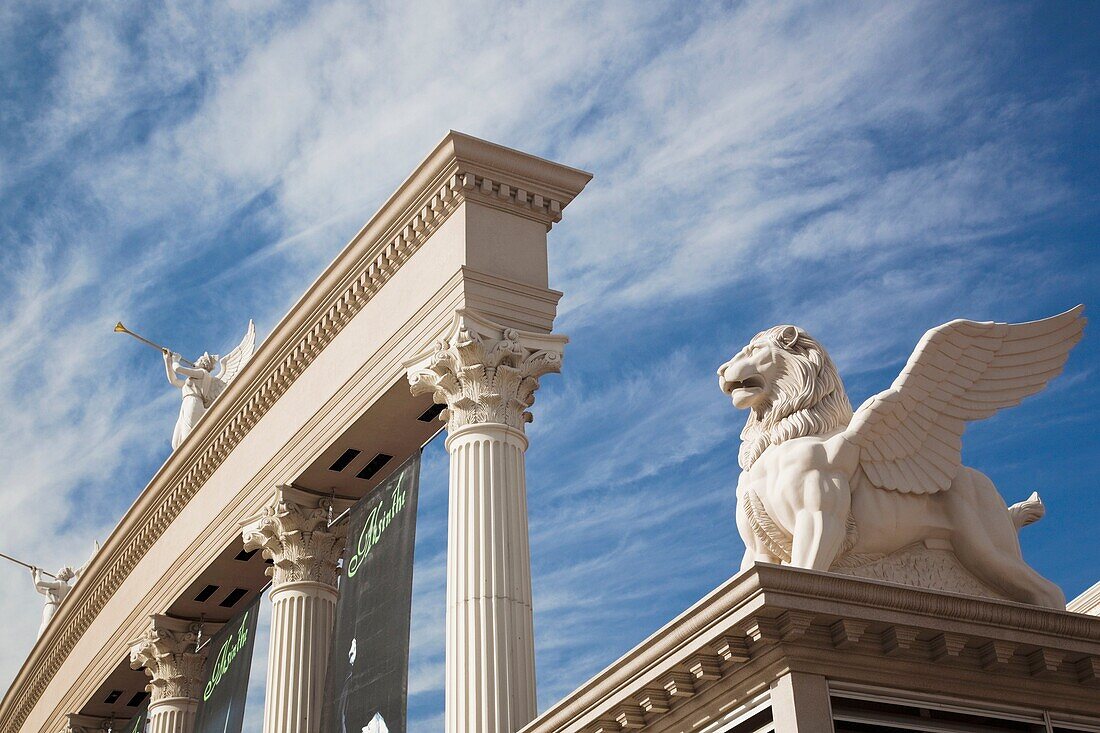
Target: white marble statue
{"x":822,"y":488}
{"x":200,"y":386}
{"x":376,"y":725}
{"x":54,"y":591}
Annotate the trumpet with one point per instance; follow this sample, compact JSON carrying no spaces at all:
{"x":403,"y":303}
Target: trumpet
{"x":119,"y":328}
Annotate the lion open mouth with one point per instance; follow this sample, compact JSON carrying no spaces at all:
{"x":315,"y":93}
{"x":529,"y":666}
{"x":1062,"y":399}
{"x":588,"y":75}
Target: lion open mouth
{"x":753,"y":382}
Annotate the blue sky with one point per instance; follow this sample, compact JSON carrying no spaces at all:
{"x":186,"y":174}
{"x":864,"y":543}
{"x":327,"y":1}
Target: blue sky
{"x":864,"y":170}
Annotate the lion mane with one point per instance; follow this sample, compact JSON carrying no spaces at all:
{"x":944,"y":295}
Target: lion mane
{"x":807,"y":399}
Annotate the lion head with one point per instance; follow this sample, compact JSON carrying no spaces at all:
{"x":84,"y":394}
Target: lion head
{"x":790,"y":386}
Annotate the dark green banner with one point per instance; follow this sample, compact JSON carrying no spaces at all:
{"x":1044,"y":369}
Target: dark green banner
{"x":225,"y":680}
{"x":138,"y":722}
{"x":366,"y":690}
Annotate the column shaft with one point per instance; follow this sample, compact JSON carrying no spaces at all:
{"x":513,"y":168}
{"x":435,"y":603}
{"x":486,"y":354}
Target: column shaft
{"x":301,"y":631}
{"x":293,"y":533}
{"x":487,"y":375}
{"x":490,"y":630}
{"x":172,"y":715}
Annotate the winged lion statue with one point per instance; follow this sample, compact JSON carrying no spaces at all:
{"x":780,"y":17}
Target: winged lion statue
{"x":821,"y":485}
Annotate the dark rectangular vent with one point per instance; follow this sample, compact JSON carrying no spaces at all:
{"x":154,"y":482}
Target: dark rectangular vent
{"x":137,"y":699}
{"x":432,"y":413}
{"x":374,"y":466}
{"x":760,"y":721}
{"x":246,"y":555}
{"x":234,"y":595}
{"x":113,"y":697}
{"x":206,"y":593}
{"x":342,"y":462}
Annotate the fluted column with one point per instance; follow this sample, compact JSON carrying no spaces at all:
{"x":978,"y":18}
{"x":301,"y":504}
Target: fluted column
{"x":167,"y":652}
{"x":293,"y":532}
{"x":487,"y":375}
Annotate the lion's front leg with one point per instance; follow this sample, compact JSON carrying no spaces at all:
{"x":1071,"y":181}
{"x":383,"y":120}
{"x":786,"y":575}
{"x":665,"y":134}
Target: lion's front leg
{"x":743,"y":528}
{"x":818,"y":538}
{"x":820,"y":519}
{"x":754,"y":555}
{"x":747,"y":537}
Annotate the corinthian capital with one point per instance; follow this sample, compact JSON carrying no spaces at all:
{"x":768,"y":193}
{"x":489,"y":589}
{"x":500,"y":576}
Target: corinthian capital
{"x":85,"y":724}
{"x":485,"y":372}
{"x":293,"y":533}
{"x":167,"y":652}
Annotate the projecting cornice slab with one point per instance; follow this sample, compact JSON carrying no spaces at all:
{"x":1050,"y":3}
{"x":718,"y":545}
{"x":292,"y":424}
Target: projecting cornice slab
{"x":460,"y":169}
{"x":1088,"y":602}
{"x":769,"y":620}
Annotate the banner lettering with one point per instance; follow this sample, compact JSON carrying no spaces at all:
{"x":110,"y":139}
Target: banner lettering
{"x":225,"y":681}
{"x":367,"y":684}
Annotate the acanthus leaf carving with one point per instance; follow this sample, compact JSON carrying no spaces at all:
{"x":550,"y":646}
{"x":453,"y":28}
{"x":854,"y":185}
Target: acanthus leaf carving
{"x":76,"y":723}
{"x":484,"y":372}
{"x":167,"y":650}
{"x":293,"y":532}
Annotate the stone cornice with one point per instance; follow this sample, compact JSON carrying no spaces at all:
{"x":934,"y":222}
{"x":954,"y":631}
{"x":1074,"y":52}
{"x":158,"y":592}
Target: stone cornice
{"x":460,"y":168}
{"x":1088,"y":602}
{"x":768,"y":608}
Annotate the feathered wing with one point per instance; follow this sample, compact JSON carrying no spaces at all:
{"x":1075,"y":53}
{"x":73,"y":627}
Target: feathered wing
{"x":910,"y":435}
{"x":234,"y":361}
{"x":88,"y":562}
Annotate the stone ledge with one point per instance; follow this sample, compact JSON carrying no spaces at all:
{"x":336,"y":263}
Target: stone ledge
{"x":761,"y":620}
{"x":1088,"y":602}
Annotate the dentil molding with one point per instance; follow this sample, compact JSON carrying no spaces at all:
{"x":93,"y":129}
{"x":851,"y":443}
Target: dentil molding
{"x":769,"y":612}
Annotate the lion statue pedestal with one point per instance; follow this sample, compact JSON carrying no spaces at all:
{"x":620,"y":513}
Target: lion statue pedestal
{"x":923,"y":564}
{"x":882,"y":492}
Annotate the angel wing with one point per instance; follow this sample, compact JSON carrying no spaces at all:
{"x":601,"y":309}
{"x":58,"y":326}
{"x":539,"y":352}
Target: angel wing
{"x":95,"y":551}
{"x":234,"y":361}
{"x":910,"y":435}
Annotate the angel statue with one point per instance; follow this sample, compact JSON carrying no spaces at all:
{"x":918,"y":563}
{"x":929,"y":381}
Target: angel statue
{"x":824,"y":488}
{"x":200,"y":386}
{"x":54,"y":590}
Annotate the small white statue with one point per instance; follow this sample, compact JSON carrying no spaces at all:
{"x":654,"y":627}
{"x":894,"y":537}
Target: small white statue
{"x":200,"y":386}
{"x":821,"y":487}
{"x":376,"y":725}
{"x":54,"y":591}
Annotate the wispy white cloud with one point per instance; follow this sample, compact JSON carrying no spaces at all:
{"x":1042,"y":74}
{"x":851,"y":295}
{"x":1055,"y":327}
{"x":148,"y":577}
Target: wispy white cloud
{"x":843,"y":166}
